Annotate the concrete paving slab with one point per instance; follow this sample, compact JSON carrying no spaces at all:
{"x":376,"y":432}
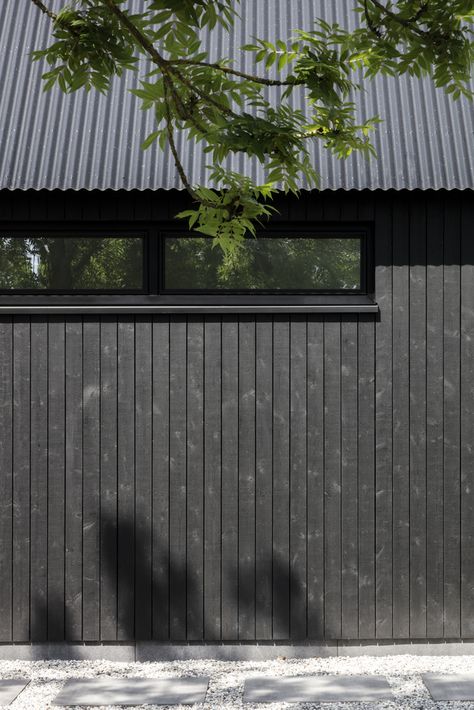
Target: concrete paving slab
{"x":456,"y":686}
{"x":317,"y":689}
{"x":133,"y":691}
{"x":10,"y":688}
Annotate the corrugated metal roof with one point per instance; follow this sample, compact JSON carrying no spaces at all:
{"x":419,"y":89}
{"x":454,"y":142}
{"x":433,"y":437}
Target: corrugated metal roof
{"x":89,"y":141}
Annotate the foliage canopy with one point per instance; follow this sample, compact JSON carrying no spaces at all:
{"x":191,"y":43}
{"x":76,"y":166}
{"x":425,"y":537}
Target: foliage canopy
{"x":233,"y":111}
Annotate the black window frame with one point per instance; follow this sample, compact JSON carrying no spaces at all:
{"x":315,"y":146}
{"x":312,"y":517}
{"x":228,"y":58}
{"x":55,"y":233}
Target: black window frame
{"x":152,"y":296}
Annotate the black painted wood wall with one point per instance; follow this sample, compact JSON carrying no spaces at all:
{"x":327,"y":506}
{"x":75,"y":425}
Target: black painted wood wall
{"x":254,"y":477}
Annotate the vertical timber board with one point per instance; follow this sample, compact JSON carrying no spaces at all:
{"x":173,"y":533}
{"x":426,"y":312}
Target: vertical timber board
{"x":230,"y":480}
{"x":108,"y":205}
{"x":21,"y":479}
{"x":72,"y":205}
{"x":195,"y":479}
{"x":418,"y":419}
{"x":366,"y":464}
{"x":6,"y":205}
{"x":298,"y":484}
{"x":126,"y":479}
{"x":349,"y":456}
{"x":143,"y":478}
{"x":452,"y":513}
{"x":281,"y":478}
{"x":315,"y":463}
{"x":6,"y":478}
{"x":383,"y":420}
{"x":161,"y":482}
{"x":366,"y":453}
{"x":212,"y":477}
{"x":178,"y":415}
{"x":298,"y":479}
{"x":349,"y":478}
{"x":108,"y":478}
{"x":39,"y":478}
{"x":467,"y":418}
{"x":73,"y":494}
{"x":332,"y":482}
{"x":401,"y":418}
{"x":56,"y":482}
{"x":247,"y":478}
{"x":434,"y":419}
{"x":263,"y":484}
{"x":91,"y":480}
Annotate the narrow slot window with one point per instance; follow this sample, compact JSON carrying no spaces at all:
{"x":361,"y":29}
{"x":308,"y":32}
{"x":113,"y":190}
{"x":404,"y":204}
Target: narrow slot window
{"x":322,"y":263}
{"x":68,"y":263}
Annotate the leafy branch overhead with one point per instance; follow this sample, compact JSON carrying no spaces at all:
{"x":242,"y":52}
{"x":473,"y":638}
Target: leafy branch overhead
{"x":234,"y":111}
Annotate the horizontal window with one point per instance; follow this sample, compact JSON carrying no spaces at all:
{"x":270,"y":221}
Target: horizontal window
{"x":68,"y":263}
{"x":326,"y":266}
{"x":298,"y":263}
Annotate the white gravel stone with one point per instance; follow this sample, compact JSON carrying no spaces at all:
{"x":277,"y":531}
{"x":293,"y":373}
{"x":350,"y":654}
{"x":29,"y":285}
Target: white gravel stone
{"x":227,"y":679}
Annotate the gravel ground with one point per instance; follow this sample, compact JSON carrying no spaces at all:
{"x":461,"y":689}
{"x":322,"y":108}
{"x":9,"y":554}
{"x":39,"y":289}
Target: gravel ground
{"x":227,"y":678}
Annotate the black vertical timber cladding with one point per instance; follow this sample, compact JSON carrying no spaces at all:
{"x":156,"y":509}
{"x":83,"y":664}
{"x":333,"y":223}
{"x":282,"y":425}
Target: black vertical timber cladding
{"x":230,"y":478}
{"x":263,"y":502}
{"x":248,"y":477}
{"x":56,"y":598}
{"x":75,"y":446}
{"x":6,"y":478}
{"x":246,"y":434}
{"x":108,"y":478}
{"x":160,"y":392}
{"x":91,"y":480}
{"x":451,"y":419}
{"x":178,"y":413}
{"x":467,"y":420}
{"x":434,"y":422}
{"x":195,"y":480}
{"x":417,"y":373}
{"x":383,"y":421}
{"x":39,"y":478}
{"x":126,"y":490}
{"x":143,"y":478}
{"x":212,"y":432}
{"x":401,"y":419}
{"x":281,"y":478}
{"x":21,"y":478}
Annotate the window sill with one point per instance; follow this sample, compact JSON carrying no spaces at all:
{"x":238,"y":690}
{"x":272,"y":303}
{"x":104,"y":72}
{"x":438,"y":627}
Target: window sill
{"x":28,"y":305}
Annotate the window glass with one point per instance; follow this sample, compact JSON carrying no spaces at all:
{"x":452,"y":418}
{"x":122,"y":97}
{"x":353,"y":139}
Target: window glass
{"x":69,"y":263}
{"x":296,"y":263}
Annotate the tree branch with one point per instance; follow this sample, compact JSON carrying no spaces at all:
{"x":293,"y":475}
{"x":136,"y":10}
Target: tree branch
{"x":172,"y":144}
{"x":47,"y":11}
{"x":375,"y":30}
{"x":405,"y":22}
{"x":235,"y":72}
{"x":57,"y":19}
{"x":205,"y":97}
{"x":158,"y":59}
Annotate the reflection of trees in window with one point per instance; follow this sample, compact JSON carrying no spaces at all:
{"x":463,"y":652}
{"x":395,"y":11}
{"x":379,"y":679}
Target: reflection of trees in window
{"x":267,"y":263}
{"x":67,"y":263}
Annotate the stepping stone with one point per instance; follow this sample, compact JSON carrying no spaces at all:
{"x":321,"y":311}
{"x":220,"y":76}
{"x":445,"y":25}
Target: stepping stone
{"x":10,"y":688}
{"x":458,"y":686}
{"x":317,"y":689}
{"x":133,"y":691}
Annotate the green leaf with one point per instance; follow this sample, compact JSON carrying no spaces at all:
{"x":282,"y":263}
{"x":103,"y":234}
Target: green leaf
{"x":150,"y":139}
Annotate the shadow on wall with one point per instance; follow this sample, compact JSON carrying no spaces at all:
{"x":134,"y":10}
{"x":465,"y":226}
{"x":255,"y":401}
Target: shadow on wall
{"x":136,"y":605}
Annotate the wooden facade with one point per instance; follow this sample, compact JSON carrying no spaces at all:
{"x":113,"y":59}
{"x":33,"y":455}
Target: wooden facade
{"x":246,"y":477}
